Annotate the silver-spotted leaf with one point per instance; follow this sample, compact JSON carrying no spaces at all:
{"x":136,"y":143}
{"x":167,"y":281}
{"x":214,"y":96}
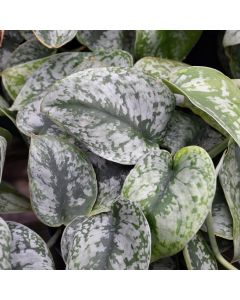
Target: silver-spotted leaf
{"x":175,"y":193}
{"x":118,"y":240}
{"x":62,"y":181}
{"x":54,"y":38}
{"x":119,"y":114}
{"x":229,"y":176}
{"x":5,"y":244}
{"x":172,"y":44}
{"x":198,"y":255}
{"x":28,"y":250}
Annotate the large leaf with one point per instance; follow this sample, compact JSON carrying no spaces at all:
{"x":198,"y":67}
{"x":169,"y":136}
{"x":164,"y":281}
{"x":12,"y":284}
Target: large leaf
{"x":15,"y":77}
{"x":119,"y":114}
{"x":211,"y":95}
{"x":172,"y":44}
{"x":198,"y":255}
{"x":28,"y":250}
{"x":62,"y":181}
{"x":11,"y":201}
{"x":175,"y":193}
{"x":119,"y":239}
{"x":229,"y":176}
{"x":5,"y":244}
{"x":54,"y":38}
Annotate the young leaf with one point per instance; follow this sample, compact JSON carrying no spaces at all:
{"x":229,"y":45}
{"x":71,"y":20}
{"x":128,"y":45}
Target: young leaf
{"x":175,"y":194}
{"x":211,"y":95}
{"x":229,"y":176}
{"x":118,"y":240}
{"x":119,"y":114}
{"x":54,"y":38}
{"x":62,"y":181}
{"x":198,"y":255}
{"x":5,"y":244}
{"x":172,"y":44}
{"x":28,"y":250}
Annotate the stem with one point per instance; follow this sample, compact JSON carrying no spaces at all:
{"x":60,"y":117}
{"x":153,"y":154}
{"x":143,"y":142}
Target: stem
{"x":54,"y":238}
{"x":218,"y":148}
{"x":187,"y":258}
{"x":214,"y":244}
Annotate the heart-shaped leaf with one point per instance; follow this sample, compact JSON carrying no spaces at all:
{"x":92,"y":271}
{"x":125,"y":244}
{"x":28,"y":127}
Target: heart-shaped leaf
{"x":54,"y":38}
{"x":5,"y":245}
{"x":172,"y":44}
{"x":198,"y":255}
{"x":119,"y":114}
{"x":176,"y":194}
{"x":62,"y":181}
{"x":211,"y":95}
{"x":229,"y":176}
{"x":119,"y":239}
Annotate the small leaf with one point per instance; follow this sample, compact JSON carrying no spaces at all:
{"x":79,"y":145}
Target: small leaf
{"x":14,"y":78}
{"x":11,"y":201}
{"x":198,"y":255}
{"x":118,"y":240}
{"x":175,"y":194}
{"x":3,"y":147}
{"x":54,"y":38}
{"x":119,"y":114}
{"x":62,"y":181}
{"x":5,"y":244}
{"x":231,"y":38}
{"x":172,"y":44}
{"x":229,"y":176}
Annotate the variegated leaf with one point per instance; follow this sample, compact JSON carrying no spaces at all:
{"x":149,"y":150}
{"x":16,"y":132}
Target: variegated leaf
{"x":54,"y":38}
{"x":159,"y":67}
{"x":166,"y":263}
{"x":3,"y":147}
{"x":28,"y":250}
{"x":211,"y":95}
{"x":106,"y":39}
{"x":28,"y":51}
{"x":62,"y":181}
{"x":11,"y":201}
{"x":5,"y":244}
{"x":27,"y":34}
{"x":172,"y":44}
{"x":3,"y":104}
{"x":229,"y":176}
{"x":198,"y":255}
{"x":119,"y":114}
{"x":15,"y":77}
{"x":119,"y":239}
{"x":175,"y":193}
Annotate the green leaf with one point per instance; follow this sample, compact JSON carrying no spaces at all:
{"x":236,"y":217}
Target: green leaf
{"x":6,"y":134}
{"x":5,"y":244}
{"x":119,"y":114}
{"x":172,"y":44}
{"x":118,"y":240}
{"x":11,"y":201}
{"x":3,"y":148}
{"x":14,"y":78}
{"x":160,"y":68}
{"x":28,"y":250}
{"x":62,"y":181}
{"x":175,"y":193}
{"x":229,"y":176}
{"x":27,"y":34}
{"x":54,"y":38}
{"x":211,"y":95}
{"x":198,"y":255}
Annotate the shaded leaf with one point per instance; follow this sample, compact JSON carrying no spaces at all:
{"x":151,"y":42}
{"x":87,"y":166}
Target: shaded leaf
{"x":3,"y":148}
{"x":27,"y":34}
{"x":62,"y":181}
{"x":175,"y":193}
{"x":166,"y":263}
{"x":54,"y":38}
{"x":231,"y":43}
{"x":5,"y":244}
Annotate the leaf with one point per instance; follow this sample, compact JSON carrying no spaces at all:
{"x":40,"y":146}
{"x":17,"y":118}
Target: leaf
{"x":198,"y":255}
{"x":106,"y":39}
{"x":62,"y":181}
{"x":172,"y":44}
{"x":28,"y":250}
{"x":27,"y":34}
{"x":229,"y":176}
{"x":28,"y":51}
{"x":11,"y":201}
{"x":231,"y":38}
{"x":166,"y":263}
{"x":14,"y":78}
{"x":3,"y":148}
{"x":212,"y":96}
{"x":5,"y":240}
{"x":119,"y":114}
{"x":6,"y":134}
{"x":54,"y":38}
{"x":117,"y":240}
{"x":175,"y":193}
{"x":231,"y":43}
{"x":160,"y":68}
